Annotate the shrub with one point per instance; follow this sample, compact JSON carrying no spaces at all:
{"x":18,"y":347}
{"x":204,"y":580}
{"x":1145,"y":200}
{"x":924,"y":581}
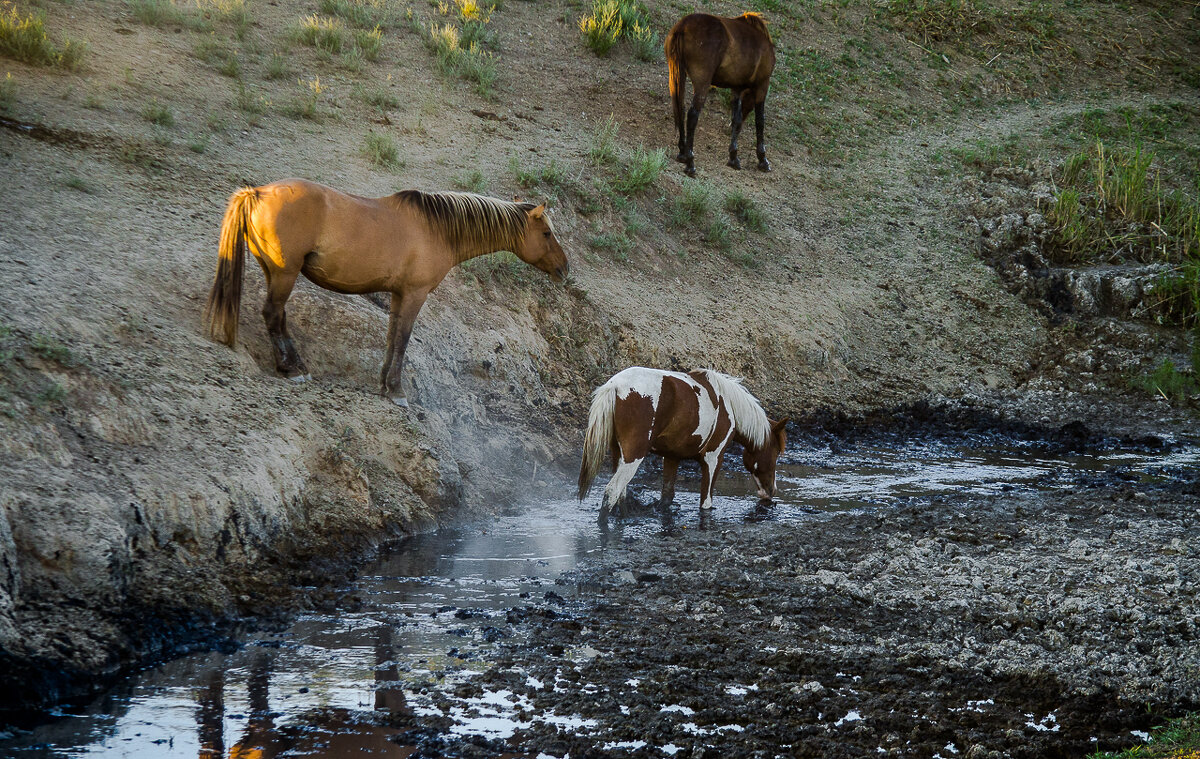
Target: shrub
{"x":24,"y":38}
{"x":642,"y":170}
{"x":381,"y":150}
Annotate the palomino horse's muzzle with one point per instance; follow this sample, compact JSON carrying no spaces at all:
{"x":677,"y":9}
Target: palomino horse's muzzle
{"x":561,"y":273}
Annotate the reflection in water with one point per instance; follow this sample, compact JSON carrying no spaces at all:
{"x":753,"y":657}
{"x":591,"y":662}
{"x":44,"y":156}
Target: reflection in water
{"x":436,"y":604}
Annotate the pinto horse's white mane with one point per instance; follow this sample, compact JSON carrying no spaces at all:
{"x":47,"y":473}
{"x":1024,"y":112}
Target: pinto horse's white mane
{"x":747,"y":416}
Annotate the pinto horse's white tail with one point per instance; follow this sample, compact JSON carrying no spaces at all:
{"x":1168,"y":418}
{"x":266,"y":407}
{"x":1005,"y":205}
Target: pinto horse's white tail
{"x":599,"y":435}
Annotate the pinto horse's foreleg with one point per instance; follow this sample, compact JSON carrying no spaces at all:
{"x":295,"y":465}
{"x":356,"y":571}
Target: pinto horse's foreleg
{"x":287,"y":358}
{"x":710,"y":466}
{"x":405,"y":307}
{"x":670,"y":469}
{"x":741,"y":105}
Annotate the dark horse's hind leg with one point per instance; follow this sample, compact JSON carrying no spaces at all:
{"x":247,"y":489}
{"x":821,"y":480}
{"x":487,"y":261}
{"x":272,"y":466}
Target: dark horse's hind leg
{"x":405,"y":308}
{"x":759,"y":110}
{"x":740,"y":106}
{"x":693,"y":116}
{"x":287,"y":358}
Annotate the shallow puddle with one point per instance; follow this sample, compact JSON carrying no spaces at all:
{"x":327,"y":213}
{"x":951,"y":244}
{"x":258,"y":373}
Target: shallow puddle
{"x":436,"y":606}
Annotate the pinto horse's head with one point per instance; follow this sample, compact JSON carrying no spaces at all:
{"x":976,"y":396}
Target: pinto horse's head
{"x":540,"y":247}
{"x":761,"y":462}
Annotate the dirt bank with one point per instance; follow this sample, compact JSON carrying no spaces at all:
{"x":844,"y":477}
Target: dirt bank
{"x":1011,"y":626}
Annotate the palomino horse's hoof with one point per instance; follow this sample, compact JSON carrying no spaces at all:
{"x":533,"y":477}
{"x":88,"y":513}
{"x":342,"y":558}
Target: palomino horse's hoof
{"x":400,"y":401}
{"x":301,"y":378}
{"x":734,"y":163}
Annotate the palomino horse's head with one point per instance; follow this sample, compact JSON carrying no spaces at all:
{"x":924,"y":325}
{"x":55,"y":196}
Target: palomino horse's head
{"x":761,"y":462}
{"x":540,"y":247}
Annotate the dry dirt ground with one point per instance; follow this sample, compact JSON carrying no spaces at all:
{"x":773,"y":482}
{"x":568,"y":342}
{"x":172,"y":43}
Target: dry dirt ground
{"x":155,"y":481}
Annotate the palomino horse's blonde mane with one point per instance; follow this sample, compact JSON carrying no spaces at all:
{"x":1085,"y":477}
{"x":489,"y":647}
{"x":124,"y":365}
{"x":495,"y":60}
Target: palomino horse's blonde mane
{"x":469,"y":221}
{"x":745,"y":413}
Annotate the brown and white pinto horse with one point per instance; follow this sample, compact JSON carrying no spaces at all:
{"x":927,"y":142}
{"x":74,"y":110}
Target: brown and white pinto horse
{"x":677,"y":416}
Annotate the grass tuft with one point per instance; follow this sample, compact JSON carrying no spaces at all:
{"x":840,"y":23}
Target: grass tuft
{"x":158,"y":114}
{"x":603,"y":149}
{"x":641,"y":172}
{"x":610,"y":20}
{"x":381,"y":150}
{"x":24,"y":38}
{"x":745,"y":210}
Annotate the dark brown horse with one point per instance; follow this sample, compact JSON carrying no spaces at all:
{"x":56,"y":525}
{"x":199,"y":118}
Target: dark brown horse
{"x":404,"y":244}
{"x":736,"y":53}
{"x":677,"y":416}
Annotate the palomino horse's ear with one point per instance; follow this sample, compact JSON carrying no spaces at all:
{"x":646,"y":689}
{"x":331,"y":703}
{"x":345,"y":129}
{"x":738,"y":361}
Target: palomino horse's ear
{"x":537,"y":212}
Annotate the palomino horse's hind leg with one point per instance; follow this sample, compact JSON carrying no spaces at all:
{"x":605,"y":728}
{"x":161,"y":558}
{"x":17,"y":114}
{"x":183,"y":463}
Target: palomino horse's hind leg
{"x":759,"y":111}
{"x":405,"y":308}
{"x":287,"y":358}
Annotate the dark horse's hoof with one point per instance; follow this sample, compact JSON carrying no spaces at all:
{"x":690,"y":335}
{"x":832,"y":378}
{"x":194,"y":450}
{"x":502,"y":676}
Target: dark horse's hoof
{"x":690,"y":171}
{"x":764,"y":165}
{"x":734,"y":163}
{"x":682,"y":158}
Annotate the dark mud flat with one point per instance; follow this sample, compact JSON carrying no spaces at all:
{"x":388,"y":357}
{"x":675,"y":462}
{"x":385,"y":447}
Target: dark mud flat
{"x":1016,"y":625}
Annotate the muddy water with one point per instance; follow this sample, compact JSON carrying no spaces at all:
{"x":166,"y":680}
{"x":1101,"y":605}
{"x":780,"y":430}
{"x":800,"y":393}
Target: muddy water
{"x":430,"y":611}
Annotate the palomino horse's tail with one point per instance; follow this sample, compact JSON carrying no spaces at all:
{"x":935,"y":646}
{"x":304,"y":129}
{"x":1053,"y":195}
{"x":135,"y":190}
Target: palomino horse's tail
{"x":225,"y":298}
{"x":598,"y":438}
{"x":676,"y":72}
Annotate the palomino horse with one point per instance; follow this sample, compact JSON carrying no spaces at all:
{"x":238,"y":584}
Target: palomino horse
{"x":677,"y":416}
{"x":736,"y":53}
{"x":404,"y":244}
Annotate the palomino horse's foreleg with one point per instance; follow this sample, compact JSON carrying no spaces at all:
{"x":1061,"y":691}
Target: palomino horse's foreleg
{"x":405,"y":308}
{"x":287,"y":358}
{"x":670,"y":469}
{"x":614,"y":493}
{"x":738,"y":112}
{"x":759,"y":112}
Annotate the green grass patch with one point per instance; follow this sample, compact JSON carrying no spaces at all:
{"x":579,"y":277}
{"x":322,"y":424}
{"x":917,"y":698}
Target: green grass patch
{"x":553,"y":174}
{"x":603,"y":148}
{"x":1178,"y":739}
{"x":942,"y":20}
{"x":326,"y":34}
{"x":24,"y":38}
{"x":307,"y":105}
{"x":277,"y":67}
{"x":377,"y":97}
{"x":640,"y":171}
{"x":470,"y":62}
{"x":381,"y":150}
{"x":158,"y":114}
{"x":366,"y":14}
{"x":51,"y":349}
{"x":472,"y":181}
{"x":608,"y":21}
{"x":1168,"y":382}
{"x":161,"y":13}
{"x":692,"y":206}
{"x":743,"y":208}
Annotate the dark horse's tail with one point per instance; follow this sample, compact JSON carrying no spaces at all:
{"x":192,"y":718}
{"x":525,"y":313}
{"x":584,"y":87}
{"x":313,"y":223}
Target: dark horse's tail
{"x":676,"y":71}
{"x":225,"y":298}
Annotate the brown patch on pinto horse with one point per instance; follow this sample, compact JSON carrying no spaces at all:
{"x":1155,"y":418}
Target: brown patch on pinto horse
{"x":642,"y":411}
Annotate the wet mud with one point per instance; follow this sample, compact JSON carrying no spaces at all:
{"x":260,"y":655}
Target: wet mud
{"x":1017,"y":625}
